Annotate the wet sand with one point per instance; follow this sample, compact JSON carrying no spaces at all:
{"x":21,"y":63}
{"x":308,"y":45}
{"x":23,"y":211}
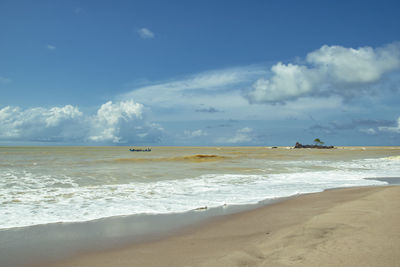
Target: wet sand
{"x":340,"y":227}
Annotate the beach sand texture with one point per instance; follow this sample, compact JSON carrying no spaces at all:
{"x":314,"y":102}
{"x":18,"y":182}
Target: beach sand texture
{"x":341,"y":227}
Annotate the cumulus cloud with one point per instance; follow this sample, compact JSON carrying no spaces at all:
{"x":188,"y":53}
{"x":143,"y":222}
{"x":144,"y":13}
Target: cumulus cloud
{"x":287,"y":82}
{"x":330,"y":70}
{"x":118,"y":122}
{"x":54,"y":116}
{"x":40,"y":124}
{"x":360,"y":65}
{"x":110,"y":117}
{"x":145,"y":33}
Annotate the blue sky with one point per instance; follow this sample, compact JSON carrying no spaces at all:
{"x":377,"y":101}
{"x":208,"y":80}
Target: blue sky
{"x":199,"y":72}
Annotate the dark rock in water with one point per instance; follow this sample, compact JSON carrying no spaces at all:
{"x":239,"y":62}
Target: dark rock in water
{"x":298,"y":145}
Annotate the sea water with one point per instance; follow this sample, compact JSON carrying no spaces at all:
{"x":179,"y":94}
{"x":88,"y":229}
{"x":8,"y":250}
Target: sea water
{"x":42,"y":185}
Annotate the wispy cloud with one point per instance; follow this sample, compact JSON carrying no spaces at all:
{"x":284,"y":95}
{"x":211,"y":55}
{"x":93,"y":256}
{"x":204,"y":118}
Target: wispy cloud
{"x":243,"y":135}
{"x":394,"y":129}
{"x":4,"y":80}
{"x":51,"y":47}
{"x":79,"y":10}
{"x":216,"y":88}
{"x":370,"y":131}
{"x":145,"y":33}
{"x":368,"y":126}
{"x":195,"y":133}
{"x":219,"y":94}
{"x":208,"y":110}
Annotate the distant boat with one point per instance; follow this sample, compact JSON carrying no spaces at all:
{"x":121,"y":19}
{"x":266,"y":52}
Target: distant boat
{"x":140,"y":150}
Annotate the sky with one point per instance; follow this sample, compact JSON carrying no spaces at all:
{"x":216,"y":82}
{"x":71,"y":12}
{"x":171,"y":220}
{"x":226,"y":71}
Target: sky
{"x":199,"y":73}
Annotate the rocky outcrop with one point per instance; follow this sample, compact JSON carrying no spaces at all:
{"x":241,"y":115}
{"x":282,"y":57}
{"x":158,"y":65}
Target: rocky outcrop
{"x":298,"y":145}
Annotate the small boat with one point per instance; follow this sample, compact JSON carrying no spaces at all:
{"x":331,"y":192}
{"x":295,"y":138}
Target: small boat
{"x":140,"y":150}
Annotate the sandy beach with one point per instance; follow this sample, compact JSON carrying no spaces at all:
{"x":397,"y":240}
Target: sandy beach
{"x":340,"y":227}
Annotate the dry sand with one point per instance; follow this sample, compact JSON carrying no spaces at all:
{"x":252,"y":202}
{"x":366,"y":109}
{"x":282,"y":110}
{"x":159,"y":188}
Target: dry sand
{"x":342,"y":227}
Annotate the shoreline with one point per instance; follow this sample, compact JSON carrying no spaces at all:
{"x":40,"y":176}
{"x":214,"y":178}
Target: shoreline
{"x":24,"y":246}
{"x":229,"y":239}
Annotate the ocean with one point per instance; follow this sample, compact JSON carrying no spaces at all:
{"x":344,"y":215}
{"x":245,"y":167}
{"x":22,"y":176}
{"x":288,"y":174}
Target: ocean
{"x":46,"y":185}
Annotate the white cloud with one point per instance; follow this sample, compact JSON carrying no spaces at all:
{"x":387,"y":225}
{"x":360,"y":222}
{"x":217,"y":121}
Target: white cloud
{"x":107,"y":122}
{"x":209,"y":81}
{"x":288,"y":82}
{"x":241,"y":136}
{"x":8,"y":118}
{"x":51,"y":47}
{"x":395,"y":129}
{"x":330,"y":70}
{"x":245,"y":130}
{"x":201,"y":96}
{"x":196,"y":133}
{"x":370,"y":131}
{"x":113,"y":123}
{"x":145,"y":33}
{"x":220,"y":89}
{"x":54,"y":116}
{"x":362,"y":65}
{"x":39,"y":123}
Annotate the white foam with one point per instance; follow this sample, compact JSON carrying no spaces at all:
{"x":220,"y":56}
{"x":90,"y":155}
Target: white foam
{"x":28,"y":199}
{"x":394,"y":158}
